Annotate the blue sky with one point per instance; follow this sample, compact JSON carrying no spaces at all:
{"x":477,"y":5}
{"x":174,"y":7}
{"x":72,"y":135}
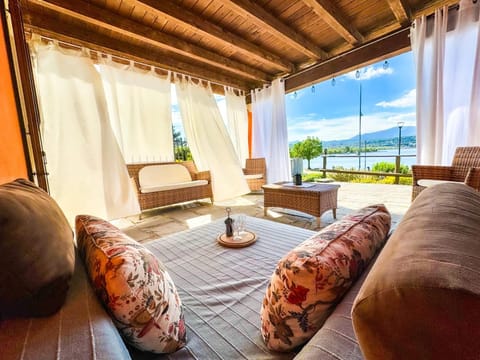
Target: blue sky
{"x":331,"y":112}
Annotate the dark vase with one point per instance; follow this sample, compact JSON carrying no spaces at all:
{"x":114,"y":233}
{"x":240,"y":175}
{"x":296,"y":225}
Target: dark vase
{"x":297,"y":179}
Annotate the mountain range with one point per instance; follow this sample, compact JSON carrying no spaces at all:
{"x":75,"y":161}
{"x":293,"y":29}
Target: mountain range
{"x":388,"y":134}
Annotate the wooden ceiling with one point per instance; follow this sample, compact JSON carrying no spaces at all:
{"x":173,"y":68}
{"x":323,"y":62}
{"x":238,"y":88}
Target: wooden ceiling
{"x":241,"y":43}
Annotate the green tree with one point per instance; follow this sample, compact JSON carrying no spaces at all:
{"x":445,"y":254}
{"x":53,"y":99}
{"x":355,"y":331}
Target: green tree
{"x":177,"y":135}
{"x":309,"y":149}
{"x":180,"y":146}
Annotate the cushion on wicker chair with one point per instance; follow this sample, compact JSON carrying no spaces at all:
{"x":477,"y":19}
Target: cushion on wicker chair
{"x":430,"y":183}
{"x":312,"y":278}
{"x":166,"y":174}
{"x":182,"y":185}
{"x":133,"y":285}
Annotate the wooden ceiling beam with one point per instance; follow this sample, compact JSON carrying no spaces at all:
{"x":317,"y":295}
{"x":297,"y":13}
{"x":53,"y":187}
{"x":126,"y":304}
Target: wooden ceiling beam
{"x":198,"y":24}
{"x":430,"y":7}
{"x":363,"y":55}
{"x":264,"y":19}
{"x":332,"y":15}
{"x":50,"y":26}
{"x":400,"y":10}
{"x":97,"y":16}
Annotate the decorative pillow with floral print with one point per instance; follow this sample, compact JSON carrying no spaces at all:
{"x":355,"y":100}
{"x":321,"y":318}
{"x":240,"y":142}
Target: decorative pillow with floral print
{"x":133,"y":285}
{"x":312,"y":278}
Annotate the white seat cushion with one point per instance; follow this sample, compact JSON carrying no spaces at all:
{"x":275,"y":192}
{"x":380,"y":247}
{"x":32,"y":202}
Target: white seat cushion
{"x":429,"y":183}
{"x":253,"y":176}
{"x":181,"y":185}
{"x":167,"y":174}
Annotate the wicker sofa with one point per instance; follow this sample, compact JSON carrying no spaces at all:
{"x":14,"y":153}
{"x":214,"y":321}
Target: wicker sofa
{"x":168,"y":183}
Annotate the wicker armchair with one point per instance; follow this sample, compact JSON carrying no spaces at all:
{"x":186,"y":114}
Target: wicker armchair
{"x":156,"y":199}
{"x":255,"y":173}
{"x":465,"y":168}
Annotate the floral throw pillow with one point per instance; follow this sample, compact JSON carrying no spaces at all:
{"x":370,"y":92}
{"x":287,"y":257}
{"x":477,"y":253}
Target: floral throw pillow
{"x":312,"y":278}
{"x":133,"y":285}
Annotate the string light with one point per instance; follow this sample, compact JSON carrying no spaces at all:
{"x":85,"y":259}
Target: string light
{"x":357,"y":74}
{"x":385,"y":65}
{"x":313,"y":89}
{"x":333,"y":81}
{"x":295,"y":94}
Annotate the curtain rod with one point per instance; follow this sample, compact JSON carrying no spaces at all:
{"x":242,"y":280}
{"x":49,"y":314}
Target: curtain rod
{"x":80,"y":47}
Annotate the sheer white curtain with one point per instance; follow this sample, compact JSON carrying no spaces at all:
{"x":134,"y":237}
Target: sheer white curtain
{"x":139,"y":106}
{"x":446,"y":49}
{"x":262,"y":110}
{"x":270,"y":135}
{"x":87,"y":174}
{"x":208,"y":139}
{"x":237,"y":122}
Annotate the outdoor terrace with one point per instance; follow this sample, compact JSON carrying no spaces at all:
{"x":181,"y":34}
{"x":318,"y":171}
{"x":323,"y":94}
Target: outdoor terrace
{"x":351,"y":196}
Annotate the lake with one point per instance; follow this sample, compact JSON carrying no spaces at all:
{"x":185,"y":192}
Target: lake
{"x":352,"y":162}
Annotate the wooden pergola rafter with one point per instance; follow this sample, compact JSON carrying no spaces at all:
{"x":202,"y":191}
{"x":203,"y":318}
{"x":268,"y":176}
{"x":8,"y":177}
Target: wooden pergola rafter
{"x":262,"y":18}
{"x":239,"y":43}
{"x":335,"y":19}
{"x":175,"y":13}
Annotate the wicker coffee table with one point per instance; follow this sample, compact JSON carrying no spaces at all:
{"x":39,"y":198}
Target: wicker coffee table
{"x":310,"y":198}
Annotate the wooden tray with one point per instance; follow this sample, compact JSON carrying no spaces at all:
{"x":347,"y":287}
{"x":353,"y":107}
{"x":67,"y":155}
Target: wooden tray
{"x":248,"y":238}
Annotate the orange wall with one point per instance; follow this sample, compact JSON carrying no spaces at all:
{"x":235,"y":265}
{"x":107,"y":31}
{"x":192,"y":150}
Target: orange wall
{"x":12,"y":157}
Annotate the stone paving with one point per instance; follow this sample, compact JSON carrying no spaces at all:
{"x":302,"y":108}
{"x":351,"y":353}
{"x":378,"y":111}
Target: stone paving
{"x":154,"y":224}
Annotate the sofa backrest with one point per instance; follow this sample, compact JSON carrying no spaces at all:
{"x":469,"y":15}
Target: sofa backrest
{"x":155,"y":175}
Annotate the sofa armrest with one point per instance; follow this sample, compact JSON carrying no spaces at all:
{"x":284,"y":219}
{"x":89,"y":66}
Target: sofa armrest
{"x":421,"y":300}
{"x":201,"y":175}
{"x":473,"y":178}
{"x":431,"y":172}
{"x":82,"y":329}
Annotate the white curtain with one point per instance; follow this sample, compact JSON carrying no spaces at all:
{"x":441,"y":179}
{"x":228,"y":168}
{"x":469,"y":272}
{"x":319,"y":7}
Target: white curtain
{"x":237,"y":122}
{"x":446,"y":49}
{"x":270,"y":135}
{"x":208,"y":139}
{"x":87,"y":174}
{"x":262,"y":110}
{"x":139,"y":106}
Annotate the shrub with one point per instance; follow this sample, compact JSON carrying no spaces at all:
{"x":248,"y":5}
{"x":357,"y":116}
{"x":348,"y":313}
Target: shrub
{"x":384,"y":166}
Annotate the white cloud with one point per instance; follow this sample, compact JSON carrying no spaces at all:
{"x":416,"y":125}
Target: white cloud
{"x":407,"y":100}
{"x":344,"y":127}
{"x":368,"y":73}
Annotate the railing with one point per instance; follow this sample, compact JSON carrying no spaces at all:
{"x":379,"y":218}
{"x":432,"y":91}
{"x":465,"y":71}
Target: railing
{"x":397,"y":174}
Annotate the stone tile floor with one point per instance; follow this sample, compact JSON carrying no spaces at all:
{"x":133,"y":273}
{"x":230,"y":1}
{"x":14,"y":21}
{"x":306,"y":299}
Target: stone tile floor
{"x":154,"y":224}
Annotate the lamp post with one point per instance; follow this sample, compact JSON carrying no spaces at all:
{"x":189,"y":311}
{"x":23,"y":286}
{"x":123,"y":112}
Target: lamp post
{"x":400,"y":125}
{"x":360,"y":129}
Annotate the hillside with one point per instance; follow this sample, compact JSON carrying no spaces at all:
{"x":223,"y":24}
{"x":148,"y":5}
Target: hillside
{"x":388,"y":137}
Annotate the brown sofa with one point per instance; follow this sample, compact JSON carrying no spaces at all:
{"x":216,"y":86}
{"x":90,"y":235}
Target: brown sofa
{"x":426,"y":310}
{"x":172,"y":183}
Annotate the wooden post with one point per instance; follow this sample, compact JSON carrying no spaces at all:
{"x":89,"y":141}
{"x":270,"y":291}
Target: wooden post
{"x":324,"y":164}
{"x":397,"y":168}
